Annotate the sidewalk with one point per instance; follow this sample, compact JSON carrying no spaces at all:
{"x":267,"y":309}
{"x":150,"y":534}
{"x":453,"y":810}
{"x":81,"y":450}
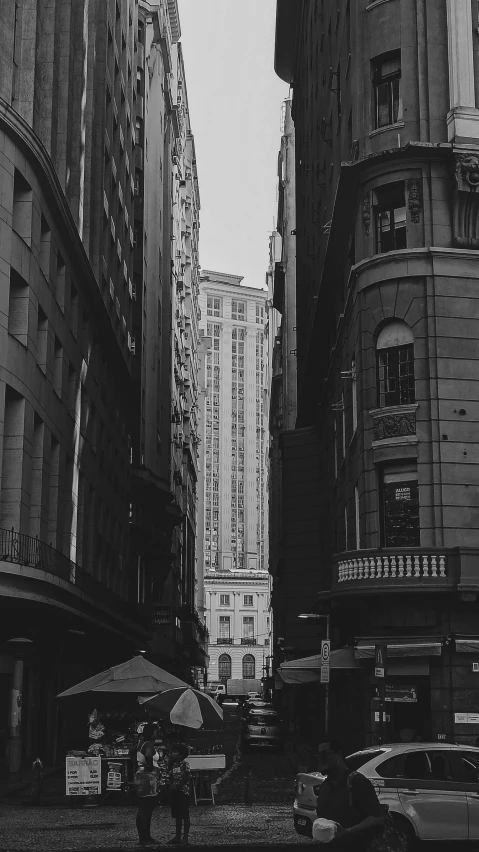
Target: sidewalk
{"x":105,"y":828}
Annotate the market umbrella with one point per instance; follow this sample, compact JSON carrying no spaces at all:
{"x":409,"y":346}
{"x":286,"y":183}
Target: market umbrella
{"x":136,"y":676}
{"x":185,"y":706}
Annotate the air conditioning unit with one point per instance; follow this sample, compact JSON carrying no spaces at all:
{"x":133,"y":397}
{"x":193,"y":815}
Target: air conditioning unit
{"x":475,"y":667}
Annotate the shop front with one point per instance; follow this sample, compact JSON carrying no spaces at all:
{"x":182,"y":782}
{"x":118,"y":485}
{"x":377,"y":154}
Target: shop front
{"x":398,"y":696}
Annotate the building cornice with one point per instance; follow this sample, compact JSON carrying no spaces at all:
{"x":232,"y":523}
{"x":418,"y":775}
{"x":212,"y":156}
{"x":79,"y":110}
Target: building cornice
{"x":209,"y":288}
{"x":174,"y":16}
{"x":288,"y":16}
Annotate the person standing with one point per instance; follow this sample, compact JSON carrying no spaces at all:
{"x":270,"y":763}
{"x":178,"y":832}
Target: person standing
{"x":349,"y":799}
{"x":150,"y":775}
{"x":179,"y":779}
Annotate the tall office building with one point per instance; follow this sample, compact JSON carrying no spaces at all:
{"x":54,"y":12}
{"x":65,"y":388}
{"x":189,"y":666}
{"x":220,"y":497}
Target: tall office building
{"x":234,"y":319}
{"x":98,"y":362}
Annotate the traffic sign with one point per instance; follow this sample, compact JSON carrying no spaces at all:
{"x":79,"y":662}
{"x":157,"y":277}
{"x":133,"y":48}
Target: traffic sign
{"x":325,"y":654}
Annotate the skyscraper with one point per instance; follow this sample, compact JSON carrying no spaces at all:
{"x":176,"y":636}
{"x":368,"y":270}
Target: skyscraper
{"x":234,"y":317}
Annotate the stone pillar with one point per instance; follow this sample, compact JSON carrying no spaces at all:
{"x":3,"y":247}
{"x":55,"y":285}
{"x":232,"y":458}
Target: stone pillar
{"x":15,"y":735}
{"x":463,"y":117}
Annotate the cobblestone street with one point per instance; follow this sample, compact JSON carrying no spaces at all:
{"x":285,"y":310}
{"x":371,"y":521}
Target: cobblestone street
{"x":254,"y":797}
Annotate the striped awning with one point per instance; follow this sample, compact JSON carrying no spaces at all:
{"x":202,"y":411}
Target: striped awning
{"x":399,"y":646}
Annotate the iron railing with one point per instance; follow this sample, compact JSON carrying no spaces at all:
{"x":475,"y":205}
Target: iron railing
{"x":24,"y":549}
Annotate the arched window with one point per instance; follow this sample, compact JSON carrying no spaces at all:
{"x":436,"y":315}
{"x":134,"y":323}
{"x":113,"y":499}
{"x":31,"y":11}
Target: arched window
{"x":224,"y":666}
{"x":395,"y":365}
{"x":248,"y":666}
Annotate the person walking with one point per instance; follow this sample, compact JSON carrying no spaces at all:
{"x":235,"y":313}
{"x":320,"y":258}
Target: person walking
{"x":179,"y":780}
{"x":348,"y":799}
{"x":151,"y":775}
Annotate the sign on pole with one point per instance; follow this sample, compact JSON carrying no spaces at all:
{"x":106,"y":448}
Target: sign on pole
{"x":325,"y":652}
{"x":380,"y":653}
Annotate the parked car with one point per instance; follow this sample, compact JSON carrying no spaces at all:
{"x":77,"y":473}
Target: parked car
{"x":257,"y":704}
{"x":431,"y":789}
{"x":262,"y":728}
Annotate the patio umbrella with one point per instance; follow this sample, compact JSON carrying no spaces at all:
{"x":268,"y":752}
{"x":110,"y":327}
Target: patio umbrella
{"x":136,"y":676}
{"x":185,"y":706}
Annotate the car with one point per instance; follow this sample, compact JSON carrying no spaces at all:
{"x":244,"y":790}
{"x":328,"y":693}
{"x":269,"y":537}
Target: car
{"x":253,"y":695}
{"x":255,"y":704}
{"x":431,"y":789}
{"x":262,"y":728}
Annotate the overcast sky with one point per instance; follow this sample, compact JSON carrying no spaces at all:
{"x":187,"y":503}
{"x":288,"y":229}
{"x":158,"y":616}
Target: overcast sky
{"x":235,"y":102}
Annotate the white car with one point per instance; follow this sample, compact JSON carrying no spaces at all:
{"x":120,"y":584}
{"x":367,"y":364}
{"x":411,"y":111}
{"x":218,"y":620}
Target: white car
{"x":431,"y":789}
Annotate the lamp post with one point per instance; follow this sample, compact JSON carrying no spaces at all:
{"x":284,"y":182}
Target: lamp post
{"x":316,"y":617}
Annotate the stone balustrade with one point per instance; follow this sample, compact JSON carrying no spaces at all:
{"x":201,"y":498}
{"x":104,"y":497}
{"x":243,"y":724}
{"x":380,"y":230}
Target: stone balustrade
{"x":391,"y":566}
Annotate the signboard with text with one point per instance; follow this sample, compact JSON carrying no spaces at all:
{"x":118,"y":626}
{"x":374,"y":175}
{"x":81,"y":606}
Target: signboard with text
{"x":380,"y":653}
{"x":325,"y":666}
{"x":83,"y":776}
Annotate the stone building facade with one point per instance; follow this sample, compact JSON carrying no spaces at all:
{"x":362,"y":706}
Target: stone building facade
{"x":385,"y":109}
{"x":76,"y":579}
{"x":234,"y":533}
{"x":238,"y":617}
{"x":166,"y":338}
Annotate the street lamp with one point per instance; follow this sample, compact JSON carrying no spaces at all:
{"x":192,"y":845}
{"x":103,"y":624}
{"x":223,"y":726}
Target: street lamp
{"x":316,"y":616}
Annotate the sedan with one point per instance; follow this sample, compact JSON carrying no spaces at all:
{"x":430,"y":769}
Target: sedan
{"x":262,"y":728}
{"x":431,"y":789}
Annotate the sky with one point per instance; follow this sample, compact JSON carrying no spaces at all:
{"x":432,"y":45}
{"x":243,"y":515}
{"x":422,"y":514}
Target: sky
{"x":234,"y":99}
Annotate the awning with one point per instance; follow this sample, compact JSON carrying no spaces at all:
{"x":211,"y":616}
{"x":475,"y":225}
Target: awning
{"x":467,"y":645}
{"x":399,"y":647}
{"x":308,"y":669}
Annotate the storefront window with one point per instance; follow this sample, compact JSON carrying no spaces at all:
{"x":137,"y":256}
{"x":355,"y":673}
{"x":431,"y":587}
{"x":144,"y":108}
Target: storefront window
{"x":400,"y":506}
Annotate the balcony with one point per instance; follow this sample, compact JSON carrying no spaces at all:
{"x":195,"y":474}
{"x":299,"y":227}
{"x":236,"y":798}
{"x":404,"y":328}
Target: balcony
{"x":405,"y":569}
{"x":24,"y":550}
{"x":224,"y":640}
{"x":250,"y":640}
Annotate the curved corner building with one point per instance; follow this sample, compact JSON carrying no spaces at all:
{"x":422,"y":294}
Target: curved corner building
{"x":383,"y":466}
{"x":67,"y":600}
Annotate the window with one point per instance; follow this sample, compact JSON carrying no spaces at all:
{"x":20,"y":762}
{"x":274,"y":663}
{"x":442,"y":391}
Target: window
{"x":238,"y":310}
{"x":248,"y":628}
{"x":386,"y":77}
{"x":249,"y":666}
{"x":224,"y":631}
{"x":355,"y":761}
{"x":400,"y":506}
{"x":224,"y":600}
{"x":248,"y":600}
{"x":354,"y":394}
{"x":224,"y":666}
{"x":469,"y":766}
{"x":395,"y":365}
{"x":356,"y":518}
{"x":390,"y":217}
{"x":213,"y":307}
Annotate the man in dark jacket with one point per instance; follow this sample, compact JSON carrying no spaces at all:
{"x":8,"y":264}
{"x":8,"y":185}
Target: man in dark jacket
{"x":348,"y":799}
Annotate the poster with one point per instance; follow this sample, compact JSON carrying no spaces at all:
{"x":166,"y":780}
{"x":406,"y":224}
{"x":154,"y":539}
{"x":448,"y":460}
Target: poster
{"x":114,"y":776}
{"x":83,"y":776}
